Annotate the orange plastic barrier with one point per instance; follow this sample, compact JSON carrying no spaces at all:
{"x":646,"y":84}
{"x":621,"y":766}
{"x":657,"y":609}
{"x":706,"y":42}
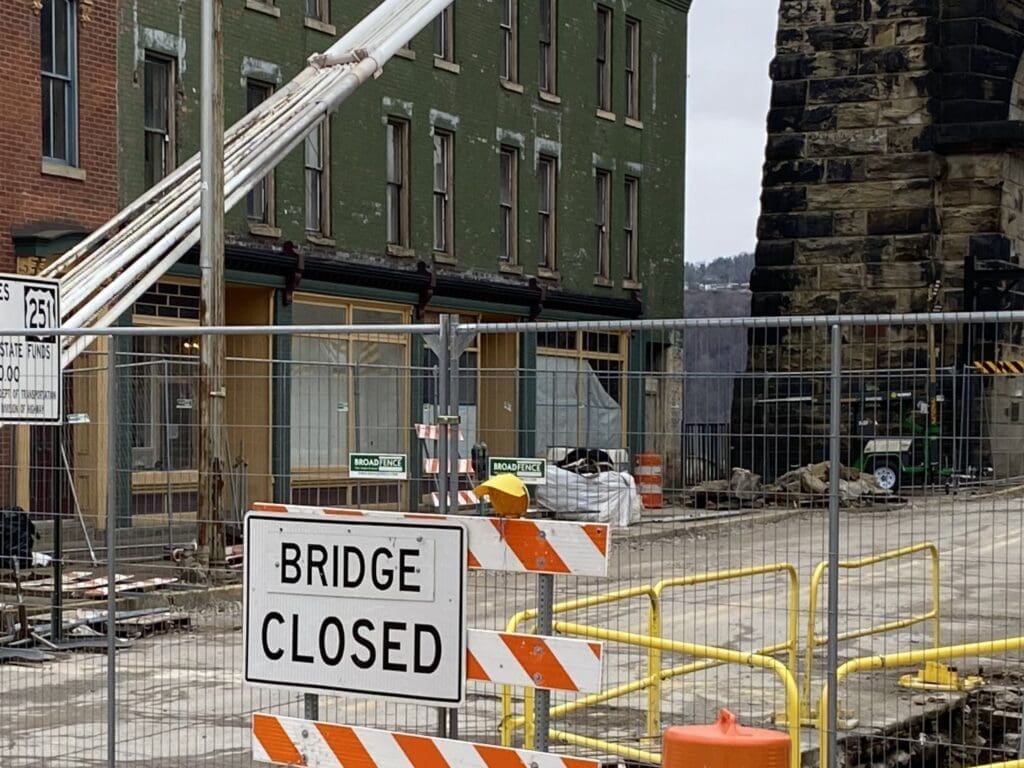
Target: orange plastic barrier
{"x":726,"y":744}
{"x":647,"y":473}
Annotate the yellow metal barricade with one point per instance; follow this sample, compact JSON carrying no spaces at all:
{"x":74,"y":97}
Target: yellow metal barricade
{"x":652,"y":681}
{"x":910,"y":659}
{"x":814,"y":640}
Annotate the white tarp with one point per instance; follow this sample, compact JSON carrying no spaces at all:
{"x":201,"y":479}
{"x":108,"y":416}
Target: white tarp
{"x":610,"y":497}
{"x":573,"y":408}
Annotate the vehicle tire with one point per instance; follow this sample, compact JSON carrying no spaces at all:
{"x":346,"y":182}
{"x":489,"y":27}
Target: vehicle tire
{"x":887,"y":474}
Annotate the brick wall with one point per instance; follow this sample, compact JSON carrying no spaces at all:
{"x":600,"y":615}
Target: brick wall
{"x":28,"y":195}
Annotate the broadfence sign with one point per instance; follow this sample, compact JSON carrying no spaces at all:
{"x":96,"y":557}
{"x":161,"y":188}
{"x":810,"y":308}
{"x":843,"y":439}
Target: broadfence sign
{"x":378,"y":466}
{"x":30,"y":366}
{"x":531,"y":471}
{"x":358,"y":607}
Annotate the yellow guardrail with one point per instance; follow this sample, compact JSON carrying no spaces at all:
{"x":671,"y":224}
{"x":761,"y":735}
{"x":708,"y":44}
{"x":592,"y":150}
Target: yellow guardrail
{"x":655,"y":674}
{"x":814,"y":640}
{"x":909,"y":659}
{"x":721,"y":655}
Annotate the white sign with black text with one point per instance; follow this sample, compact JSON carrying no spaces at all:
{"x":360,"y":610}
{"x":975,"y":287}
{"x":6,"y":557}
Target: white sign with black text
{"x":348,"y":606}
{"x":30,"y":369}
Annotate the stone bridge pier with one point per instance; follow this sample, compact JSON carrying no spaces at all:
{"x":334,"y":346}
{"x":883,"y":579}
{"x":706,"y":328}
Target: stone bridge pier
{"x":893,"y":182}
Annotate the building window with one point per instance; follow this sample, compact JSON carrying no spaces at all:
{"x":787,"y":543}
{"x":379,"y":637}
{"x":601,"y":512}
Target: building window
{"x":318,"y":186}
{"x":604,"y":47}
{"x":259,"y":203}
{"x":158,"y":95}
{"x":633,"y":69}
{"x":602,"y":211}
{"x":444,"y":29}
{"x":163,"y":380}
{"x":548,"y":70}
{"x":397,"y":186}
{"x":547,"y":202}
{"x":318,"y":9}
{"x":509,"y":205}
{"x":629,"y":229}
{"x":58,"y":59}
{"x":510,"y":40}
{"x":443,"y":184}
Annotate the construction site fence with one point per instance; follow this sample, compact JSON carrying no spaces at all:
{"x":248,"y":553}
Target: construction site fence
{"x":857,"y":476}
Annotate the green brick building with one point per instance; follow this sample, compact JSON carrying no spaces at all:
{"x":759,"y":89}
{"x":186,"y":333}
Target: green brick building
{"x":520,"y":159}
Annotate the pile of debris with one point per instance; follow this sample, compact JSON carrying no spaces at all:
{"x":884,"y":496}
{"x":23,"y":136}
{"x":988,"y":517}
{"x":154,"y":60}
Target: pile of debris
{"x":806,"y":486}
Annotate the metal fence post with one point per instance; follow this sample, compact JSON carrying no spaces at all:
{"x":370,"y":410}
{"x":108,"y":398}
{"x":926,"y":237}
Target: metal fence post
{"x":451,"y":469}
{"x":440,"y":414}
{"x":835,"y":398}
{"x":545,"y":618}
{"x":113,"y":406}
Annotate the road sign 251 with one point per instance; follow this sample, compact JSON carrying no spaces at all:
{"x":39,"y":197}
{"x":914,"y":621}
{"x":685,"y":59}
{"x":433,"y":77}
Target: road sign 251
{"x":41,"y":308}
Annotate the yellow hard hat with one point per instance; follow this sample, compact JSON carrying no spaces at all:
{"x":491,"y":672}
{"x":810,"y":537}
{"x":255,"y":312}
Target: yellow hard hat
{"x":508,"y":494}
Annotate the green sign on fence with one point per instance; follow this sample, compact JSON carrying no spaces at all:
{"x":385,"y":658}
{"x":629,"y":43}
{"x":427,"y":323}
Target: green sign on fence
{"x":377,"y":466}
{"x":532,"y":471}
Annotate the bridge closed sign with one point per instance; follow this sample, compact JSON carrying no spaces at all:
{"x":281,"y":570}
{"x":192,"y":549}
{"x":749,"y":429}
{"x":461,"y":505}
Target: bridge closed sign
{"x":356,"y":607}
{"x":532,"y":471}
{"x":378,"y":466}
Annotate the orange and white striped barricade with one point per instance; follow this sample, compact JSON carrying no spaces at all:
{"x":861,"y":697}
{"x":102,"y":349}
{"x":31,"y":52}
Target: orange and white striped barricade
{"x":291,"y":742}
{"x":532,"y":661}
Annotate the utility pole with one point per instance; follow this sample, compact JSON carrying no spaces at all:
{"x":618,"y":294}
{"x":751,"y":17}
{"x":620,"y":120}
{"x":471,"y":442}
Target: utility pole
{"x":212,"y":392}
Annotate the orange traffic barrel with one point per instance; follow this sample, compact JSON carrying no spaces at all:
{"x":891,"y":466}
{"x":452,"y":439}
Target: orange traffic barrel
{"x":647,"y":473}
{"x":726,"y":744}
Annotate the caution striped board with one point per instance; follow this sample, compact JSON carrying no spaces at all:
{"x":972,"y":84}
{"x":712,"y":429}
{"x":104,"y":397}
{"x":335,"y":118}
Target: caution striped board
{"x":558,"y":547}
{"x":290,"y":741}
{"x":1000,"y":367}
{"x":431,"y":432}
{"x":531,"y":661}
{"x":466,"y":499}
{"x":433,"y":466}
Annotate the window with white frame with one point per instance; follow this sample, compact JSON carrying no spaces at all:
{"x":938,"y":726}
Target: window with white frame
{"x":547,"y":201}
{"x":58,"y":40}
{"x":602,"y":214}
{"x":510,"y":40}
{"x":318,"y":10}
{"x":443,"y":184}
{"x":444,"y":35}
{"x":509,"y":205}
{"x":604,"y":47}
{"x":397,"y":202}
{"x":633,"y":69}
{"x":630,"y":224}
{"x":259,"y":203}
{"x":159,"y":117}
{"x":318,"y":188}
{"x":548,"y":41}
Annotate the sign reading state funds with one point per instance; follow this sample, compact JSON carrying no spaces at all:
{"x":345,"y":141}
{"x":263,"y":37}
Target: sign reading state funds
{"x":30,"y":369}
{"x":349,"y":606}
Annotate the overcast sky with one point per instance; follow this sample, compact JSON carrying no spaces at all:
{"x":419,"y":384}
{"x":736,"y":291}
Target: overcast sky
{"x":731,"y":44}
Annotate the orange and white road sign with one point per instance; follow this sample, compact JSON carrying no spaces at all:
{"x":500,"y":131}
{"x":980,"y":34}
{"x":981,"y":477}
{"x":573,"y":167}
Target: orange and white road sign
{"x":553,"y":663}
{"x":558,"y":547}
{"x":293,"y":742}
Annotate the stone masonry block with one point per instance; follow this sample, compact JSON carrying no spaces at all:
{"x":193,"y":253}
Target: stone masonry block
{"x":848,"y":223}
{"x":837,"y":37}
{"x":846,"y":196}
{"x":868,"y":141}
{"x":838,"y":250}
{"x":860,"y":115}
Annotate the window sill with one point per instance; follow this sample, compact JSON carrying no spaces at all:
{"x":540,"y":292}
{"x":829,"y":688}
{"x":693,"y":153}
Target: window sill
{"x":266,"y":8}
{"x":144,"y":478}
{"x":400,"y":251}
{"x":606,"y":115}
{"x":261,"y":229}
{"x":51,"y":168}
{"x":603,"y":282}
{"x":632,"y":285}
{"x":510,"y":85}
{"x":320,"y":26}
{"x":447,"y":66}
{"x":510,"y":269}
{"x":550,"y":98}
{"x":406,"y":53}
{"x":444,"y":258}
{"x":632,"y":122}
{"x":316,"y":239}
{"x":548,"y":274}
